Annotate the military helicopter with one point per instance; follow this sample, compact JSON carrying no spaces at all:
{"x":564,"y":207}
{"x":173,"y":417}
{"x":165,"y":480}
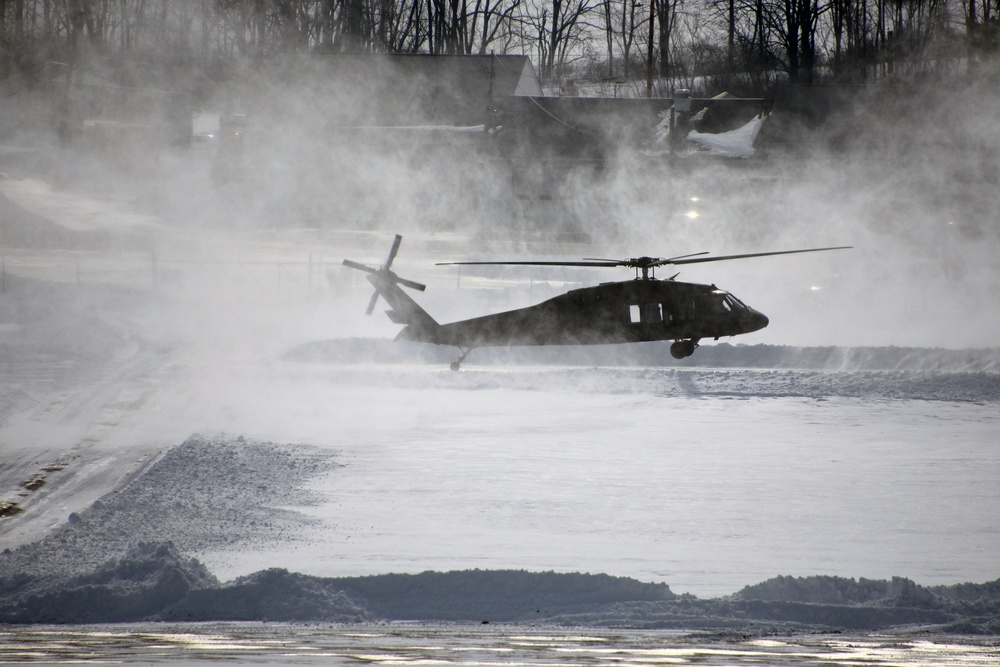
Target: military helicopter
{"x":631,"y":311}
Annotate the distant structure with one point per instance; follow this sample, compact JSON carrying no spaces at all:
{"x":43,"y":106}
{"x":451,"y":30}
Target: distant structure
{"x":388,"y":90}
{"x":400,"y":98}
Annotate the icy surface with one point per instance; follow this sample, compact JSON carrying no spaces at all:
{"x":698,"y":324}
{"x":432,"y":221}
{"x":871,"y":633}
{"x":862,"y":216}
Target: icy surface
{"x":172,"y":393}
{"x":874,"y":463}
{"x":298,"y":644}
{"x":633,"y":472}
{"x":542,"y":467}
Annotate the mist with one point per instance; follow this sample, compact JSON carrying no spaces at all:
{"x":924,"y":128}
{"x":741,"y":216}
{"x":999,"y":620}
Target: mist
{"x":325,"y":167}
{"x":907,"y":177}
{"x":162,"y":294}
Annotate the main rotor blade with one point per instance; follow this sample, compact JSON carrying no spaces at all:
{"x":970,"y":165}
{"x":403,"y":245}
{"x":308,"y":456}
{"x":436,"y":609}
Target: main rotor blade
{"x":694,"y":254}
{"x":652,"y":261}
{"x":753,"y":254}
{"x":393,"y":250}
{"x":530,"y":263}
{"x":640,"y":262}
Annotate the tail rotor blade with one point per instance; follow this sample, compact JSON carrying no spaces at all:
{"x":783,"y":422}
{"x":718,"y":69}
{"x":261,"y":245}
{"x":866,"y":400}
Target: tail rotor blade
{"x":356,"y":265}
{"x":393,"y":250}
{"x":384,"y":277}
{"x":411,"y":284}
{"x":371,"y":304}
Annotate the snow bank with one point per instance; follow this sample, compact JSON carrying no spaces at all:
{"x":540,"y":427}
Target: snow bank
{"x":155,"y":582}
{"x":656,"y":355}
{"x":477,"y":595}
{"x":128,"y":557}
{"x":139,"y":585}
{"x":269,"y":595}
{"x":209,"y":492}
{"x":715,"y":370}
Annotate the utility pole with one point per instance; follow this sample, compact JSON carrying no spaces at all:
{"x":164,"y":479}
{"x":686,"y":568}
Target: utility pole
{"x":680,"y":114}
{"x":649,"y":51}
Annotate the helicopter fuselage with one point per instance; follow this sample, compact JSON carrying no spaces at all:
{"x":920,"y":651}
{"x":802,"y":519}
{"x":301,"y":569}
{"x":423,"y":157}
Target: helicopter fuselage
{"x":632,"y":311}
{"x":619,"y":312}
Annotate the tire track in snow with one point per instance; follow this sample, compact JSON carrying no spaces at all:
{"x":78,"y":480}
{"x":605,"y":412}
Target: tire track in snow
{"x":62,"y":443}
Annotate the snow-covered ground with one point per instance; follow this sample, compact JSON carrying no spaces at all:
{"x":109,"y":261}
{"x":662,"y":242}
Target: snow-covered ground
{"x":223,"y":390}
{"x":707,"y":479}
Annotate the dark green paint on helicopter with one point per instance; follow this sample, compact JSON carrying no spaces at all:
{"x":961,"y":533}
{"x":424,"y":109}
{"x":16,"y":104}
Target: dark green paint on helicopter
{"x":632,"y":311}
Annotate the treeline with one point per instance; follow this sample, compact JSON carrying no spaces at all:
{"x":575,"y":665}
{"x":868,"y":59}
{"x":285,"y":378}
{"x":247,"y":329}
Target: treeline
{"x":745,"y":45}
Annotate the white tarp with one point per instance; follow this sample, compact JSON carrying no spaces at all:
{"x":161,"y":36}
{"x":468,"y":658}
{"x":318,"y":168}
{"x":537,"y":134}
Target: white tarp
{"x":734,"y":143}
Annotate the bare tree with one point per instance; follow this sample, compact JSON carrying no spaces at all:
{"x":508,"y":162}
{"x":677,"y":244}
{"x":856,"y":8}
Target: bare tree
{"x":491,"y":21}
{"x":666,"y":15}
{"x":556,"y":26}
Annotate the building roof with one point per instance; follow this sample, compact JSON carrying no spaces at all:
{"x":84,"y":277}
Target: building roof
{"x":406,"y":90}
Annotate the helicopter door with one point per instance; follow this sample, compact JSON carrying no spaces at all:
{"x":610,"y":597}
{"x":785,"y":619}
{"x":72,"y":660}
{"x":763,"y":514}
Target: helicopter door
{"x":645,"y":313}
{"x":651,"y":313}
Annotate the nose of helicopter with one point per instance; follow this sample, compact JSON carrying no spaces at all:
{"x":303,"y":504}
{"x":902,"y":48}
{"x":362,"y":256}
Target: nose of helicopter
{"x":754,"y":320}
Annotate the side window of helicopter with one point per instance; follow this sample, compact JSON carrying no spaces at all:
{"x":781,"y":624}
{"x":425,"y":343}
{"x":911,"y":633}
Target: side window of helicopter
{"x":645,"y":313}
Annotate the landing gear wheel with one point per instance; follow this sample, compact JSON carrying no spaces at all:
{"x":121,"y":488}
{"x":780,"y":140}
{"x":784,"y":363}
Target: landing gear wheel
{"x":682,"y":348}
{"x":457,"y":364}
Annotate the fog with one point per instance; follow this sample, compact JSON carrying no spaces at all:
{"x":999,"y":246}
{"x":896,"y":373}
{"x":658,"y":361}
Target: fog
{"x":153,"y":293}
{"x":909,"y":178}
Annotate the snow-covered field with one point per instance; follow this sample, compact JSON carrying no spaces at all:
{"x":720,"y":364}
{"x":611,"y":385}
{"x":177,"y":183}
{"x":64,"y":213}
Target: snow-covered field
{"x":707,"y":479}
{"x":238,"y":404}
{"x":617,"y":471}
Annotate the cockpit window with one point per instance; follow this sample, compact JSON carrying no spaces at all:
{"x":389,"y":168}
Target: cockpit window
{"x":722,"y":302}
{"x":727,"y":302}
{"x":736,"y":302}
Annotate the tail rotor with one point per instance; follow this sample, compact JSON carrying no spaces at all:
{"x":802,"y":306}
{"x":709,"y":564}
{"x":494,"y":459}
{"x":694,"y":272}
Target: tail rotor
{"x":385,"y":272}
